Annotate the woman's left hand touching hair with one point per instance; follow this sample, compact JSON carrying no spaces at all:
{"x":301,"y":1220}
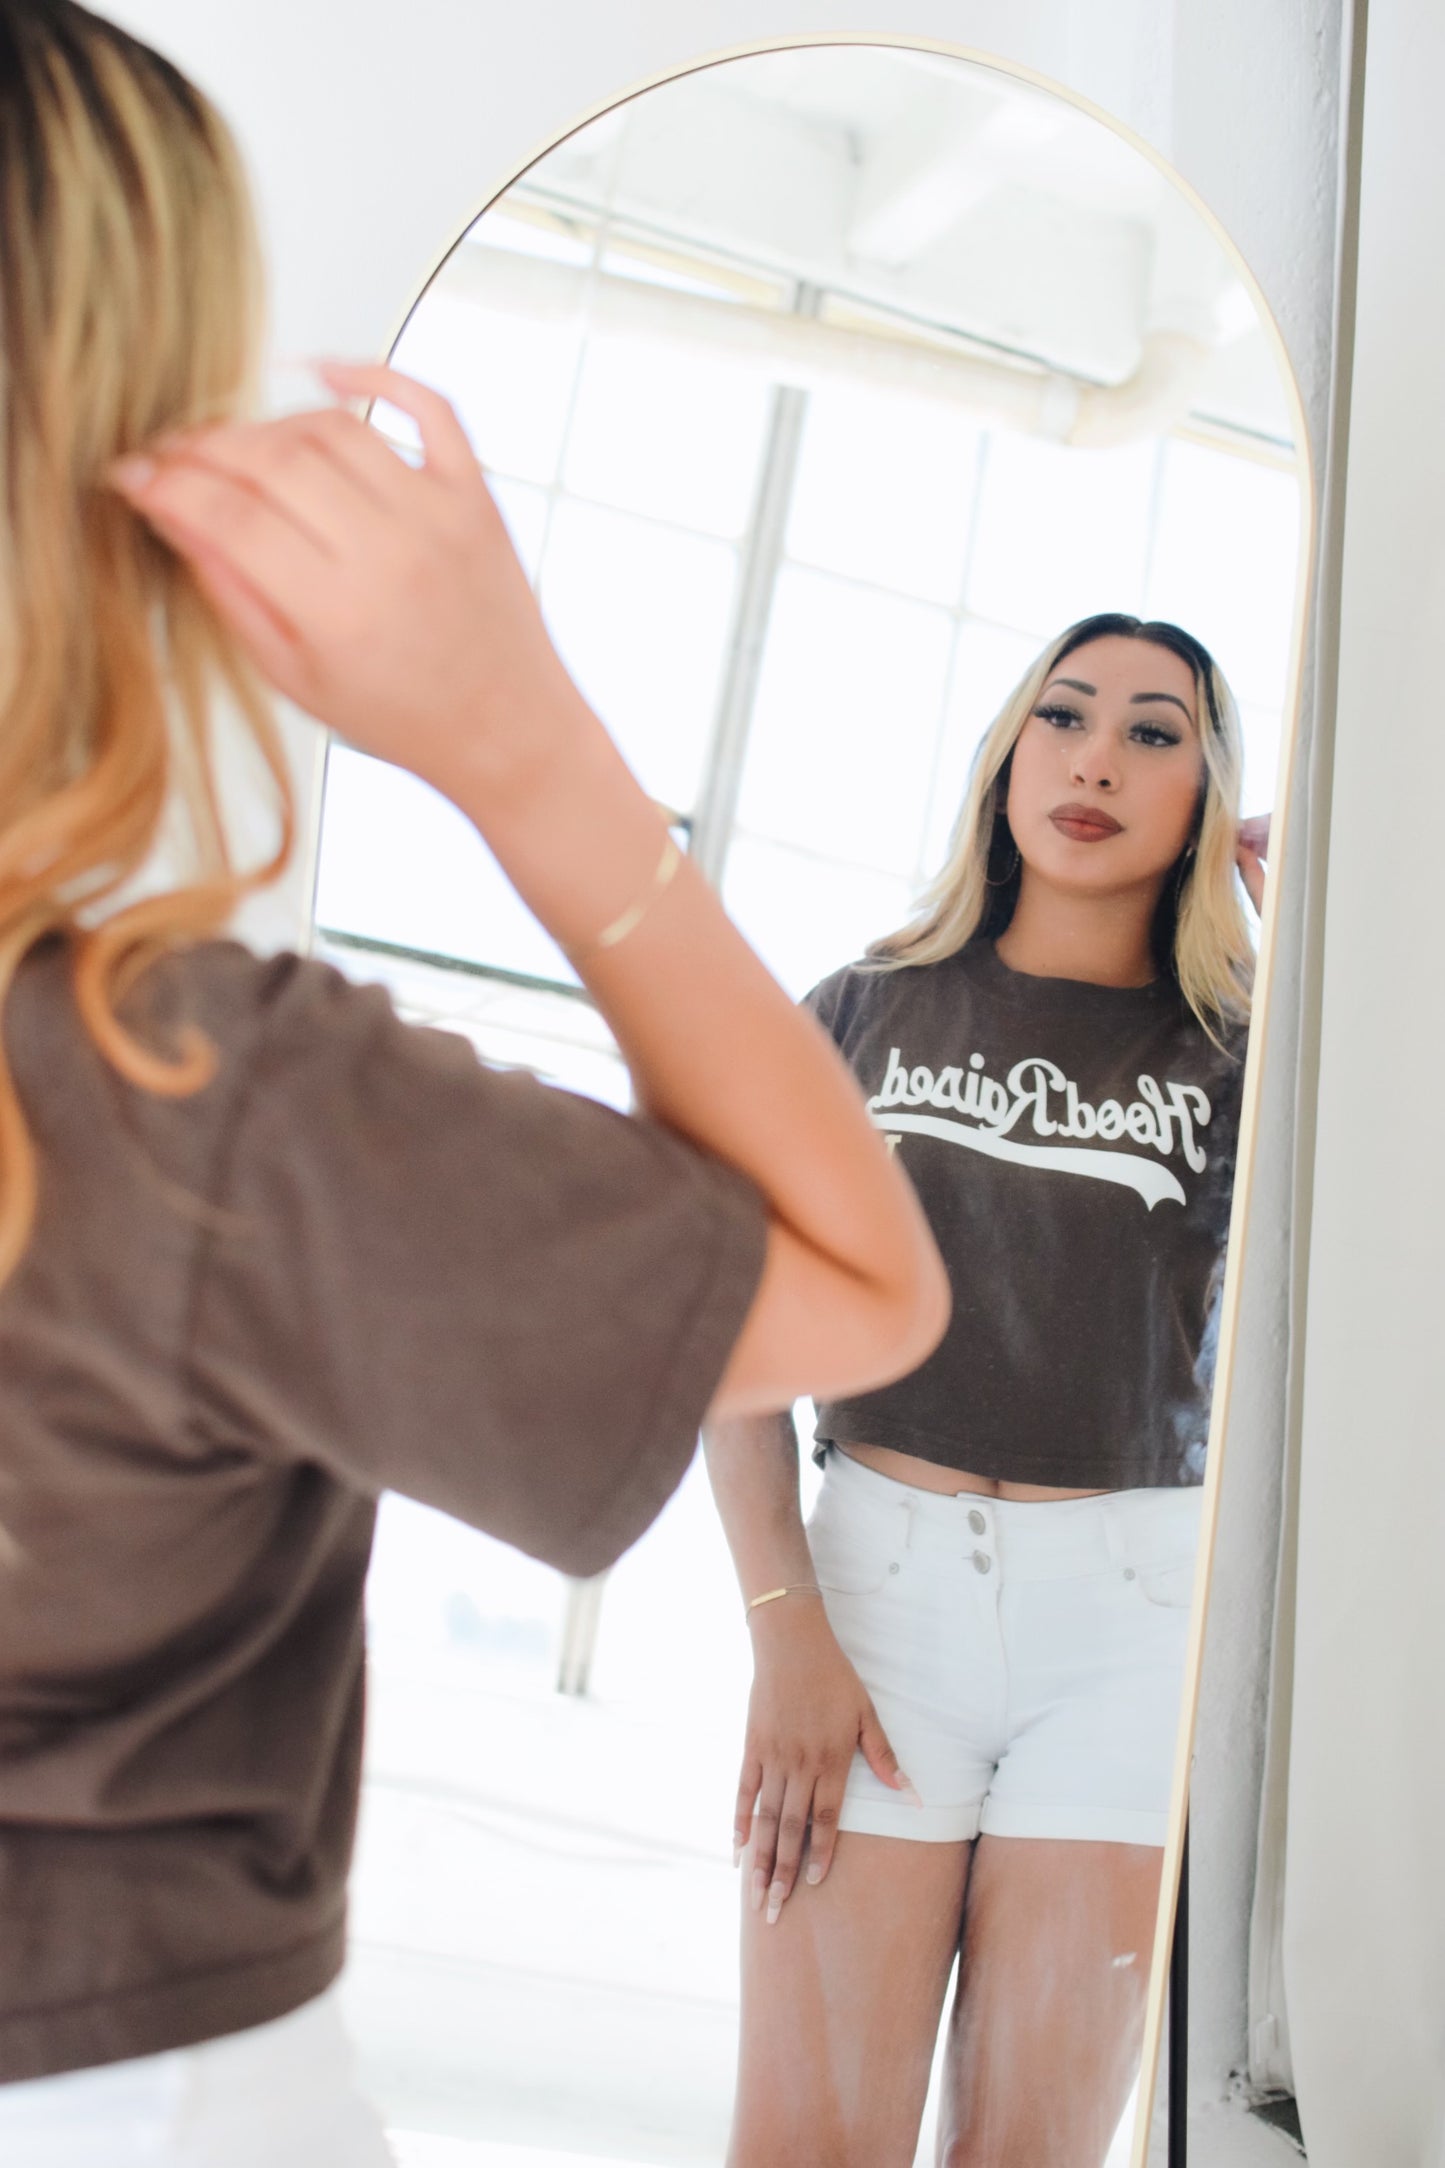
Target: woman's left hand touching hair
{"x":1251,"y":854}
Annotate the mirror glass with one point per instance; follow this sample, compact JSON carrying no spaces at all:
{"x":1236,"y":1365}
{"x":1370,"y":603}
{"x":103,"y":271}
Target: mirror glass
{"x":820,"y":390}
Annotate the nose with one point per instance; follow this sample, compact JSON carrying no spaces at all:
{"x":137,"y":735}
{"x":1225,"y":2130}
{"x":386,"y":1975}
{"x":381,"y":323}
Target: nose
{"x":1093,"y":765}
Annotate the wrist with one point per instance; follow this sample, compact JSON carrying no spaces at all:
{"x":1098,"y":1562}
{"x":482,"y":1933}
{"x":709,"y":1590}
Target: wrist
{"x":787,"y":1618}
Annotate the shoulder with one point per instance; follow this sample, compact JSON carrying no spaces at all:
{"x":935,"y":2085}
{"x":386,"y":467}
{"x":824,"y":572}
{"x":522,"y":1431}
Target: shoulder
{"x":863,"y":992}
{"x":286,"y":1022}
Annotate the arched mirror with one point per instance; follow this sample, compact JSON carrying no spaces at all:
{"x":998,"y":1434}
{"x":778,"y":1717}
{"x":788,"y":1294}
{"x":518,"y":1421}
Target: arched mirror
{"x":821,"y":389}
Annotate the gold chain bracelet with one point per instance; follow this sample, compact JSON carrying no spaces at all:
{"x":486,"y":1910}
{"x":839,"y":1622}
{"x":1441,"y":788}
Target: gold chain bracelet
{"x":633,"y":916}
{"x":794,"y":1588}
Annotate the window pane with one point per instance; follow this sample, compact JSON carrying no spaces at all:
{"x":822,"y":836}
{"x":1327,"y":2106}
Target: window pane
{"x":1061,"y":533}
{"x":662,"y":433}
{"x":987,"y":664}
{"x":805,"y":916}
{"x":846,"y":722}
{"x":641,"y":615}
{"x":447,"y":1593}
{"x":1225,"y":563}
{"x":399,"y":863}
{"x":1260,"y":728}
{"x":885,"y":491}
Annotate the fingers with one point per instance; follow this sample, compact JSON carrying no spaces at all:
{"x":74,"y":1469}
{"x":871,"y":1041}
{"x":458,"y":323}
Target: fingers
{"x":323,"y":468}
{"x":823,"y":1823}
{"x":767,"y":1818}
{"x":880,"y":1757}
{"x":444,"y":441}
{"x":236,"y":540}
{"x":790,"y":1834}
{"x":270,"y":640}
{"x":748,"y":1787}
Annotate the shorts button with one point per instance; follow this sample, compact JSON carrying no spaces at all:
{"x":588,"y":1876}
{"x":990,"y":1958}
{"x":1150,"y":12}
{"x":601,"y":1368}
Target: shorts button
{"x":981,"y":1561}
{"x":977,"y":1522}
{"x":1128,"y":1573}
{"x":894,"y":1567}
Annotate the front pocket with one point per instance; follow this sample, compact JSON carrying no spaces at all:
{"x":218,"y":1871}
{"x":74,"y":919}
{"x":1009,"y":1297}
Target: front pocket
{"x":1171,"y":1588}
{"x":855,"y":1555}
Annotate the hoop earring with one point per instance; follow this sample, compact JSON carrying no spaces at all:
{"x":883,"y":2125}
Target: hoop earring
{"x":1013,"y":869}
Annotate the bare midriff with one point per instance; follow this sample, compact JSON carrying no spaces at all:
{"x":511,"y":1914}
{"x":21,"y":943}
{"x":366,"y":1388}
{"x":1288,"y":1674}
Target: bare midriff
{"x":927,"y":1475}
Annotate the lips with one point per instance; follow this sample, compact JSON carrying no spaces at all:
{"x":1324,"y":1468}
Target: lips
{"x":1085,"y":823}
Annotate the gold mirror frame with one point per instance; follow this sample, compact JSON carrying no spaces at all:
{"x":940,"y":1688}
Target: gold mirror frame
{"x":1279,"y":845}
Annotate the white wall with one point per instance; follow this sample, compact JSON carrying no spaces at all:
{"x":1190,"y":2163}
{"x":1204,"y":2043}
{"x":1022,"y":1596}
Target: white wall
{"x":376,"y":132}
{"x":1365,"y":1884}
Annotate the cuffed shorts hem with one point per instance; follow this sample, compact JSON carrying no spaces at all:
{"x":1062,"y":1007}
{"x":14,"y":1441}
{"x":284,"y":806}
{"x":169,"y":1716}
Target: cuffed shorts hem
{"x":1078,"y":1823}
{"x":898,"y":1817}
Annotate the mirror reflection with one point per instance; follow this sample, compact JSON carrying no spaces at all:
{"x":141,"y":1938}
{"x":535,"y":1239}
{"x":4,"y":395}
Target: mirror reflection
{"x":907,"y":479}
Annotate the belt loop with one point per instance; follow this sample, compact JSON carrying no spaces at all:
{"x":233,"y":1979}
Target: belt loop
{"x":1114,"y":1536}
{"x":908,"y":1511}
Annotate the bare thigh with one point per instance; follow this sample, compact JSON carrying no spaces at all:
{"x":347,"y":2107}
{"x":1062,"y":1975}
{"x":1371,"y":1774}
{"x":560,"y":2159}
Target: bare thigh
{"x":841,"y":2001}
{"x":1047,"y":2022}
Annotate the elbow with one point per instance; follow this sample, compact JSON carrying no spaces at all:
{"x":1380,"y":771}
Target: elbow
{"x":912,"y":1316}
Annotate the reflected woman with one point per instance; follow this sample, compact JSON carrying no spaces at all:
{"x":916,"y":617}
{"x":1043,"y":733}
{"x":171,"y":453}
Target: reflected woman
{"x":992,"y":1594}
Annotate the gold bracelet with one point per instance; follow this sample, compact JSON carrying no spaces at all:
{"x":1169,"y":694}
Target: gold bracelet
{"x":633,"y":916}
{"x":794,"y":1588}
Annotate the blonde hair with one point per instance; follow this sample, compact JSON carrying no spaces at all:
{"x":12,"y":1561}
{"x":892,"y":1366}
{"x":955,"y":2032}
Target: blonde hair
{"x":129,"y":305}
{"x":1201,"y":937}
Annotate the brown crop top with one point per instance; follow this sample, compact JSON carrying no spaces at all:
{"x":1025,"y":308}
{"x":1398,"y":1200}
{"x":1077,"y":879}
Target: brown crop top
{"x":1073,"y":1147}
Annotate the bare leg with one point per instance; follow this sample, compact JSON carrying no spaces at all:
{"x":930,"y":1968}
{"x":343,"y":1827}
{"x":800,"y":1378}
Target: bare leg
{"x":1047,"y":2024}
{"x":841,"y":2000}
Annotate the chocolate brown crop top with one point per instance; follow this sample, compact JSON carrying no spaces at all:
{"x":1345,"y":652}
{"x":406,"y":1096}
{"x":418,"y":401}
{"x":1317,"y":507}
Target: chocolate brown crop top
{"x":1073,"y":1147}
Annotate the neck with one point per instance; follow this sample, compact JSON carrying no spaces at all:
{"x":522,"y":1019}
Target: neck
{"x":1102,"y":940}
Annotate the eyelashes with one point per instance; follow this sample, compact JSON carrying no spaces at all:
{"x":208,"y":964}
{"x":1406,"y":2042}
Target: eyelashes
{"x":1152,"y":734}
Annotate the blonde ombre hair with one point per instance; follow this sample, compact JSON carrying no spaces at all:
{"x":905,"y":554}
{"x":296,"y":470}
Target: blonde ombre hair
{"x":129,"y":306}
{"x":1200,"y":934}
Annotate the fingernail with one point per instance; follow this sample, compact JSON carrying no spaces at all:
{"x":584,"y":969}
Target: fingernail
{"x":815,"y":1873}
{"x":132,"y":473}
{"x":909,"y":1791}
{"x":759,"y":1891}
{"x":775,"y":1902}
{"x":738,"y":1849}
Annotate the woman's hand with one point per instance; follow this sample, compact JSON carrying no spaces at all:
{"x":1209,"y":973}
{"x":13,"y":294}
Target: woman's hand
{"x":807,"y":1714}
{"x":1251,"y":854}
{"x":385,"y":599}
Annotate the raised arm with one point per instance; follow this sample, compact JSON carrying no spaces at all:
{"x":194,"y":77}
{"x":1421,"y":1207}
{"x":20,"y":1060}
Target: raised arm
{"x":388,"y":602}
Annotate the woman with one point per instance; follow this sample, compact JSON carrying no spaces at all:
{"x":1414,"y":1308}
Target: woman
{"x":264,"y":1251}
{"x":1003,"y":1543}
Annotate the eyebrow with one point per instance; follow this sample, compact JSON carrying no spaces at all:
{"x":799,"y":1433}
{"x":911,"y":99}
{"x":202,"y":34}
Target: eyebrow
{"x":1136,"y":699}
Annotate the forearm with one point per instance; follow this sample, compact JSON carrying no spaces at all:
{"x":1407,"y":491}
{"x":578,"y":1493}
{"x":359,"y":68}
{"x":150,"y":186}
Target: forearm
{"x":752,"y":1465}
{"x":717,"y":1049}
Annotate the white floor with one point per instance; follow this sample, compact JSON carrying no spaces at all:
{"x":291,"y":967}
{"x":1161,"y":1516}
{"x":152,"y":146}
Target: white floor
{"x":544,"y":1922}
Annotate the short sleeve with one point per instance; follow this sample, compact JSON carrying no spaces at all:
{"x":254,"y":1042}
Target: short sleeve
{"x":825,"y":1001}
{"x":429,"y":1276}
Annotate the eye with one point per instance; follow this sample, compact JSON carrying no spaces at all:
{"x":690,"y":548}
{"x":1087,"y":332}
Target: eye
{"x":1058,"y":716}
{"x":1154,"y":734}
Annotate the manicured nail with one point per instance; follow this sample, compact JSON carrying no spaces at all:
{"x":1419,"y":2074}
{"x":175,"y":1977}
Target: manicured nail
{"x":775,"y":1902}
{"x":132,"y":473}
{"x":815,"y":1873}
{"x":908,"y":1790}
{"x":759,"y":1891}
{"x":738,"y":1849}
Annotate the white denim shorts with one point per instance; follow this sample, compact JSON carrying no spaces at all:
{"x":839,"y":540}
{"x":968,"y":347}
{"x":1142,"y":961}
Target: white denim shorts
{"x":280,"y":2095}
{"x":1026,"y":1660}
